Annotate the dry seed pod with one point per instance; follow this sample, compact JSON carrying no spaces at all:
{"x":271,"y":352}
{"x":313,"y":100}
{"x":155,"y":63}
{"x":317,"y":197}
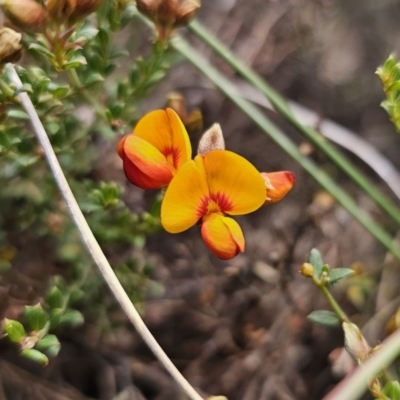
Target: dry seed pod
{"x":83,"y":8}
{"x":10,"y":46}
{"x":60,"y":10}
{"x":25,"y":14}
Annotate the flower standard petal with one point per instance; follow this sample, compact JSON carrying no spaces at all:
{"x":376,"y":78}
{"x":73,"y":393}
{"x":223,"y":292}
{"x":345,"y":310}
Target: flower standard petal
{"x":234,"y":178}
{"x":165,"y":131}
{"x":144,"y":165}
{"x":222,"y":235}
{"x":278,"y":185}
{"x":181,"y":206}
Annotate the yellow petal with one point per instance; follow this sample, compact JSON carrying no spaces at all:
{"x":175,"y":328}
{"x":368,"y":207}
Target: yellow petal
{"x":222,"y":235}
{"x":236,"y":180}
{"x":166,"y":132}
{"x":144,"y":165}
{"x":182,"y":203}
{"x":278,"y":185}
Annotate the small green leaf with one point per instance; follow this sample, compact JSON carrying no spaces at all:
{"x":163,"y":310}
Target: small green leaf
{"x":72,"y":318}
{"x":35,"y":356}
{"x":94,"y":78}
{"x":14,"y":330}
{"x":18,"y":114}
{"x":41,"y":49}
{"x":55,"y":298}
{"x":36,"y":317}
{"x":337,"y":274}
{"x":49,"y":344}
{"x":316,"y":261}
{"x":75,"y":62}
{"x":392,"y":390}
{"x":55,"y":316}
{"x":325,"y":318}
{"x":86,"y":34}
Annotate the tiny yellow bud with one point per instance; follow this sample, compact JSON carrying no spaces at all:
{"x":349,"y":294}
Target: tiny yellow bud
{"x":307,"y":270}
{"x":25,"y":14}
{"x":213,"y":139}
{"x":10,"y":46}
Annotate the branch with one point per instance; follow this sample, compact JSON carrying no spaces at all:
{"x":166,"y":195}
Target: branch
{"x":91,"y":244}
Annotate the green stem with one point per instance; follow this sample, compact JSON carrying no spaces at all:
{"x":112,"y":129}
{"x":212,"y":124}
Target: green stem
{"x":332,"y":302}
{"x":285,"y":143}
{"x":77,"y":85}
{"x":282,"y":107}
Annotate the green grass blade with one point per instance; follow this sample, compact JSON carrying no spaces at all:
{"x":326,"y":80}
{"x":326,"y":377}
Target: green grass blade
{"x":284,"y":142}
{"x":282,"y":107}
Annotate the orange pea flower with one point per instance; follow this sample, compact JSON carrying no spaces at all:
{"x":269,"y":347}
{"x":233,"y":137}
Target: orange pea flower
{"x":157,"y":148}
{"x":207,"y":189}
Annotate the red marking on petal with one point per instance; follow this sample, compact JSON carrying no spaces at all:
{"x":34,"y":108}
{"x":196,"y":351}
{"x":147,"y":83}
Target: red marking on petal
{"x":172,"y":154}
{"x":214,"y":203}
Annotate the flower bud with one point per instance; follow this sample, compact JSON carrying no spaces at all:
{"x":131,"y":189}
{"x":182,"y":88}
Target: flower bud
{"x":10,"y":46}
{"x":307,"y":270}
{"x":60,"y":10}
{"x":186,"y":12}
{"x":148,"y":8}
{"x":83,"y":8}
{"x":355,"y":344}
{"x":278,"y":185}
{"x":25,"y":14}
{"x":212,"y":139}
{"x":168,"y":14}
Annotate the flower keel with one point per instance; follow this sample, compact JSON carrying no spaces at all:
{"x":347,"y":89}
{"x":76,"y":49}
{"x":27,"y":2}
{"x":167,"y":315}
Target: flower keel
{"x":222,"y":235}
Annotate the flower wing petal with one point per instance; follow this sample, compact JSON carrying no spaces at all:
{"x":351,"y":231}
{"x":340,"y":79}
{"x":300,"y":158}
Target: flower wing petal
{"x":278,"y":185}
{"x":181,"y":205}
{"x":233,"y":177}
{"x":223,"y":236}
{"x":144,"y":165}
{"x":165,"y":131}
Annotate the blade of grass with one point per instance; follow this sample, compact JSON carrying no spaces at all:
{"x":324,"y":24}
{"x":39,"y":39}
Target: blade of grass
{"x":92,"y":245}
{"x":283,"y":108}
{"x":284,"y":142}
{"x":353,"y":387}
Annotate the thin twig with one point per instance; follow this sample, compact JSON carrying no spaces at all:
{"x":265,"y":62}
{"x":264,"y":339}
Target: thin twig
{"x":91,"y":244}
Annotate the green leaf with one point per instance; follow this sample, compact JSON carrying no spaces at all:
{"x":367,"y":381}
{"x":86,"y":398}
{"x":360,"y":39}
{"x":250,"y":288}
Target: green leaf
{"x":315,"y":259}
{"x":324,"y":318}
{"x":55,"y":298}
{"x":41,"y":49}
{"x":94,"y":78}
{"x":337,"y":274}
{"x":14,"y":330}
{"x":55,"y":316}
{"x":72,"y":318}
{"x":35,"y":356}
{"x":60,"y":92}
{"x":36,"y":317}
{"x":49,"y":344}
{"x":392,"y":390}
{"x":18,"y":114}
{"x":87,"y":34}
{"x":75,"y":62}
